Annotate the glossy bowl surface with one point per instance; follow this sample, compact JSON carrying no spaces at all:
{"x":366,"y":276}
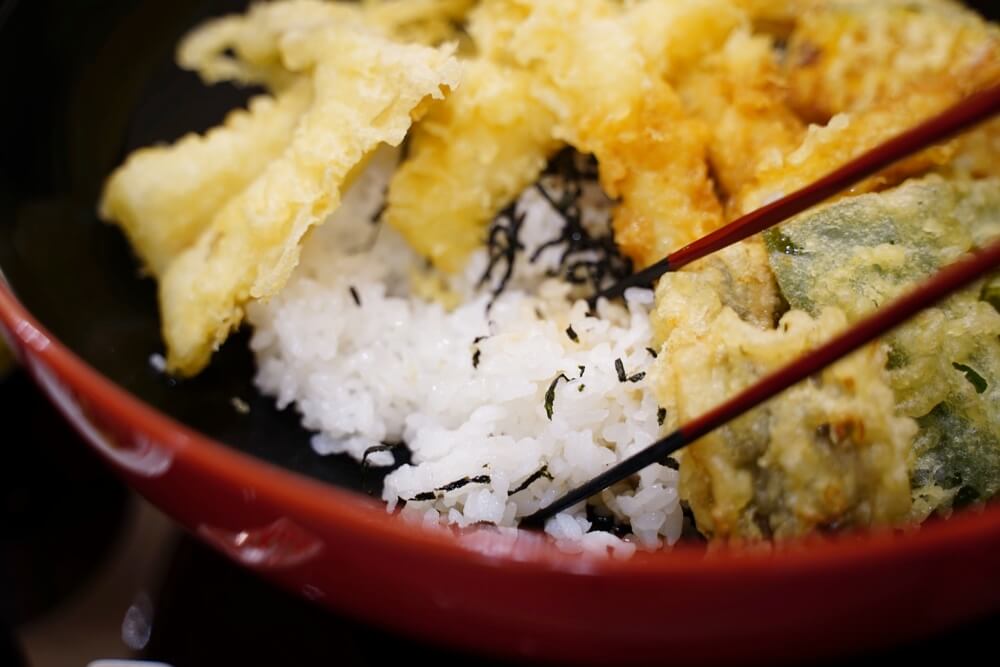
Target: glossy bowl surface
{"x":89,"y":82}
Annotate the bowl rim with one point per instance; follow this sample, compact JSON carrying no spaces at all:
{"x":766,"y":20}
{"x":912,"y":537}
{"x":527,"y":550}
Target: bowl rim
{"x":354,"y":511}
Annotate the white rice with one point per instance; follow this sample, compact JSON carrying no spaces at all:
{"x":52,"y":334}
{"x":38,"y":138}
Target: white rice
{"x":397,"y":368}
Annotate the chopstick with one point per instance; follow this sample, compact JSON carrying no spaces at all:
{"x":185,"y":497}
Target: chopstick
{"x":973,"y":109}
{"x":951,"y":278}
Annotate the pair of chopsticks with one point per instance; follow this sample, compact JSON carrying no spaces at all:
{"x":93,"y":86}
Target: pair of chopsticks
{"x":968,"y":112}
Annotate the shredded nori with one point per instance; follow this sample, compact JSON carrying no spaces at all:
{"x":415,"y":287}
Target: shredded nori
{"x":477,"y":352}
{"x":623,"y":377}
{"x":400,"y":455}
{"x":502,"y":243}
{"x":550,"y":394}
{"x":355,"y":295}
{"x":572,"y":334}
{"x":974,"y":378}
{"x":581,"y":388}
{"x":689,"y":529}
{"x":585,"y":259}
{"x":607,"y":265}
{"x":605,"y":523}
{"x":651,"y":351}
{"x":671,"y":463}
{"x":450,"y":486}
{"x":661,"y":415}
{"x":384,"y":447}
{"x":583,"y":369}
{"x":531,"y":479}
{"x":465,"y":481}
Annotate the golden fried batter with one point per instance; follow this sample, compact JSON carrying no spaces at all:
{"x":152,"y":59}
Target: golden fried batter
{"x":674,"y":35}
{"x":776,"y":18}
{"x":612,"y":102}
{"x":827,"y":453}
{"x":246,"y":48}
{"x":858,"y":253}
{"x":365,"y":89}
{"x":847,"y":136}
{"x":976,"y":153}
{"x":784,"y":469}
{"x":468,"y":158}
{"x":430,"y":22}
{"x":163,"y":197}
{"x":877,"y":68}
{"x":660,"y":174}
{"x":846,"y":55}
{"x":741,"y":93}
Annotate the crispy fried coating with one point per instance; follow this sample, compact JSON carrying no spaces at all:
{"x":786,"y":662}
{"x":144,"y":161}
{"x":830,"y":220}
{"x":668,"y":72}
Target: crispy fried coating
{"x":612,"y":102}
{"x":655,"y":162}
{"x":365,"y":89}
{"x":468,"y":158}
{"x":246,"y":48}
{"x":674,"y":35}
{"x":949,"y":378}
{"x":741,"y":93}
{"x":847,"y":136}
{"x":776,"y":17}
{"x":827,"y":453}
{"x":492,"y":25}
{"x":429,"y":22}
{"x":858,"y":253}
{"x":976,"y":153}
{"x":744,"y":282}
{"x":877,"y":68}
{"x":861,"y":251}
{"x":846,"y":55}
{"x":163,"y":197}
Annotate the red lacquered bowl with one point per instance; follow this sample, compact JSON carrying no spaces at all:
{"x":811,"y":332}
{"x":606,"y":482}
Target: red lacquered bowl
{"x":249,"y":485}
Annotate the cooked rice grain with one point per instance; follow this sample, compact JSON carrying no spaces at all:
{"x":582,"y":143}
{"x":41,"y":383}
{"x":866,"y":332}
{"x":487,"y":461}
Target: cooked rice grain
{"x":400,"y":368}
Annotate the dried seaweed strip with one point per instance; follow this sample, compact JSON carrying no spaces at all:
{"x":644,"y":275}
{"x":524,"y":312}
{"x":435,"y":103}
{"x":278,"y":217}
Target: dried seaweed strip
{"x":550,"y":394}
{"x":531,"y":479}
{"x":502,"y":244}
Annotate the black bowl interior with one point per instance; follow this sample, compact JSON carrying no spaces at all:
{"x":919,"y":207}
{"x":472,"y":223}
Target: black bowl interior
{"x":85,"y":82}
